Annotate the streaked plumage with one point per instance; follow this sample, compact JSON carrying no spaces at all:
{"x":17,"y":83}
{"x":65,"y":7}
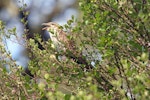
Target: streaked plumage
{"x":58,"y":36}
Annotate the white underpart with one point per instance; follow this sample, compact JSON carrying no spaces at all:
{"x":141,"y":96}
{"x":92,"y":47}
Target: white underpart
{"x":54,"y":38}
{"x":57,"y":44}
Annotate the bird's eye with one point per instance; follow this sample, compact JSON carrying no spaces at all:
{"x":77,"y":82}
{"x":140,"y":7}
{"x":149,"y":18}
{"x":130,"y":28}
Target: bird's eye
{"x":52,"y":23}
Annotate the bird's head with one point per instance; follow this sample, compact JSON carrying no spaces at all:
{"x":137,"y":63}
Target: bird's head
{"x":52,"y":27}
{"x":56,"y":33}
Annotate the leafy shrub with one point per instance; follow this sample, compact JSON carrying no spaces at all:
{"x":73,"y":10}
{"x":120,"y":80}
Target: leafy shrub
{"x":120,"y":32}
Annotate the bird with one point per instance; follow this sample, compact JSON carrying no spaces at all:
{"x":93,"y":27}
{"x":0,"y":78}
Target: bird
{"x":62,"y":42}
{"x":58,"y":36}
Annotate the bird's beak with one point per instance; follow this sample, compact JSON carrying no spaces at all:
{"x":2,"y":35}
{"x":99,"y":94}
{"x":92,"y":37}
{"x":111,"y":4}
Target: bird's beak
{"x":46,"y":26}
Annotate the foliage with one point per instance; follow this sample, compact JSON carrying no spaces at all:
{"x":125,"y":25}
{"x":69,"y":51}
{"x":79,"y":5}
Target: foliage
{"x":119,"y":29}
